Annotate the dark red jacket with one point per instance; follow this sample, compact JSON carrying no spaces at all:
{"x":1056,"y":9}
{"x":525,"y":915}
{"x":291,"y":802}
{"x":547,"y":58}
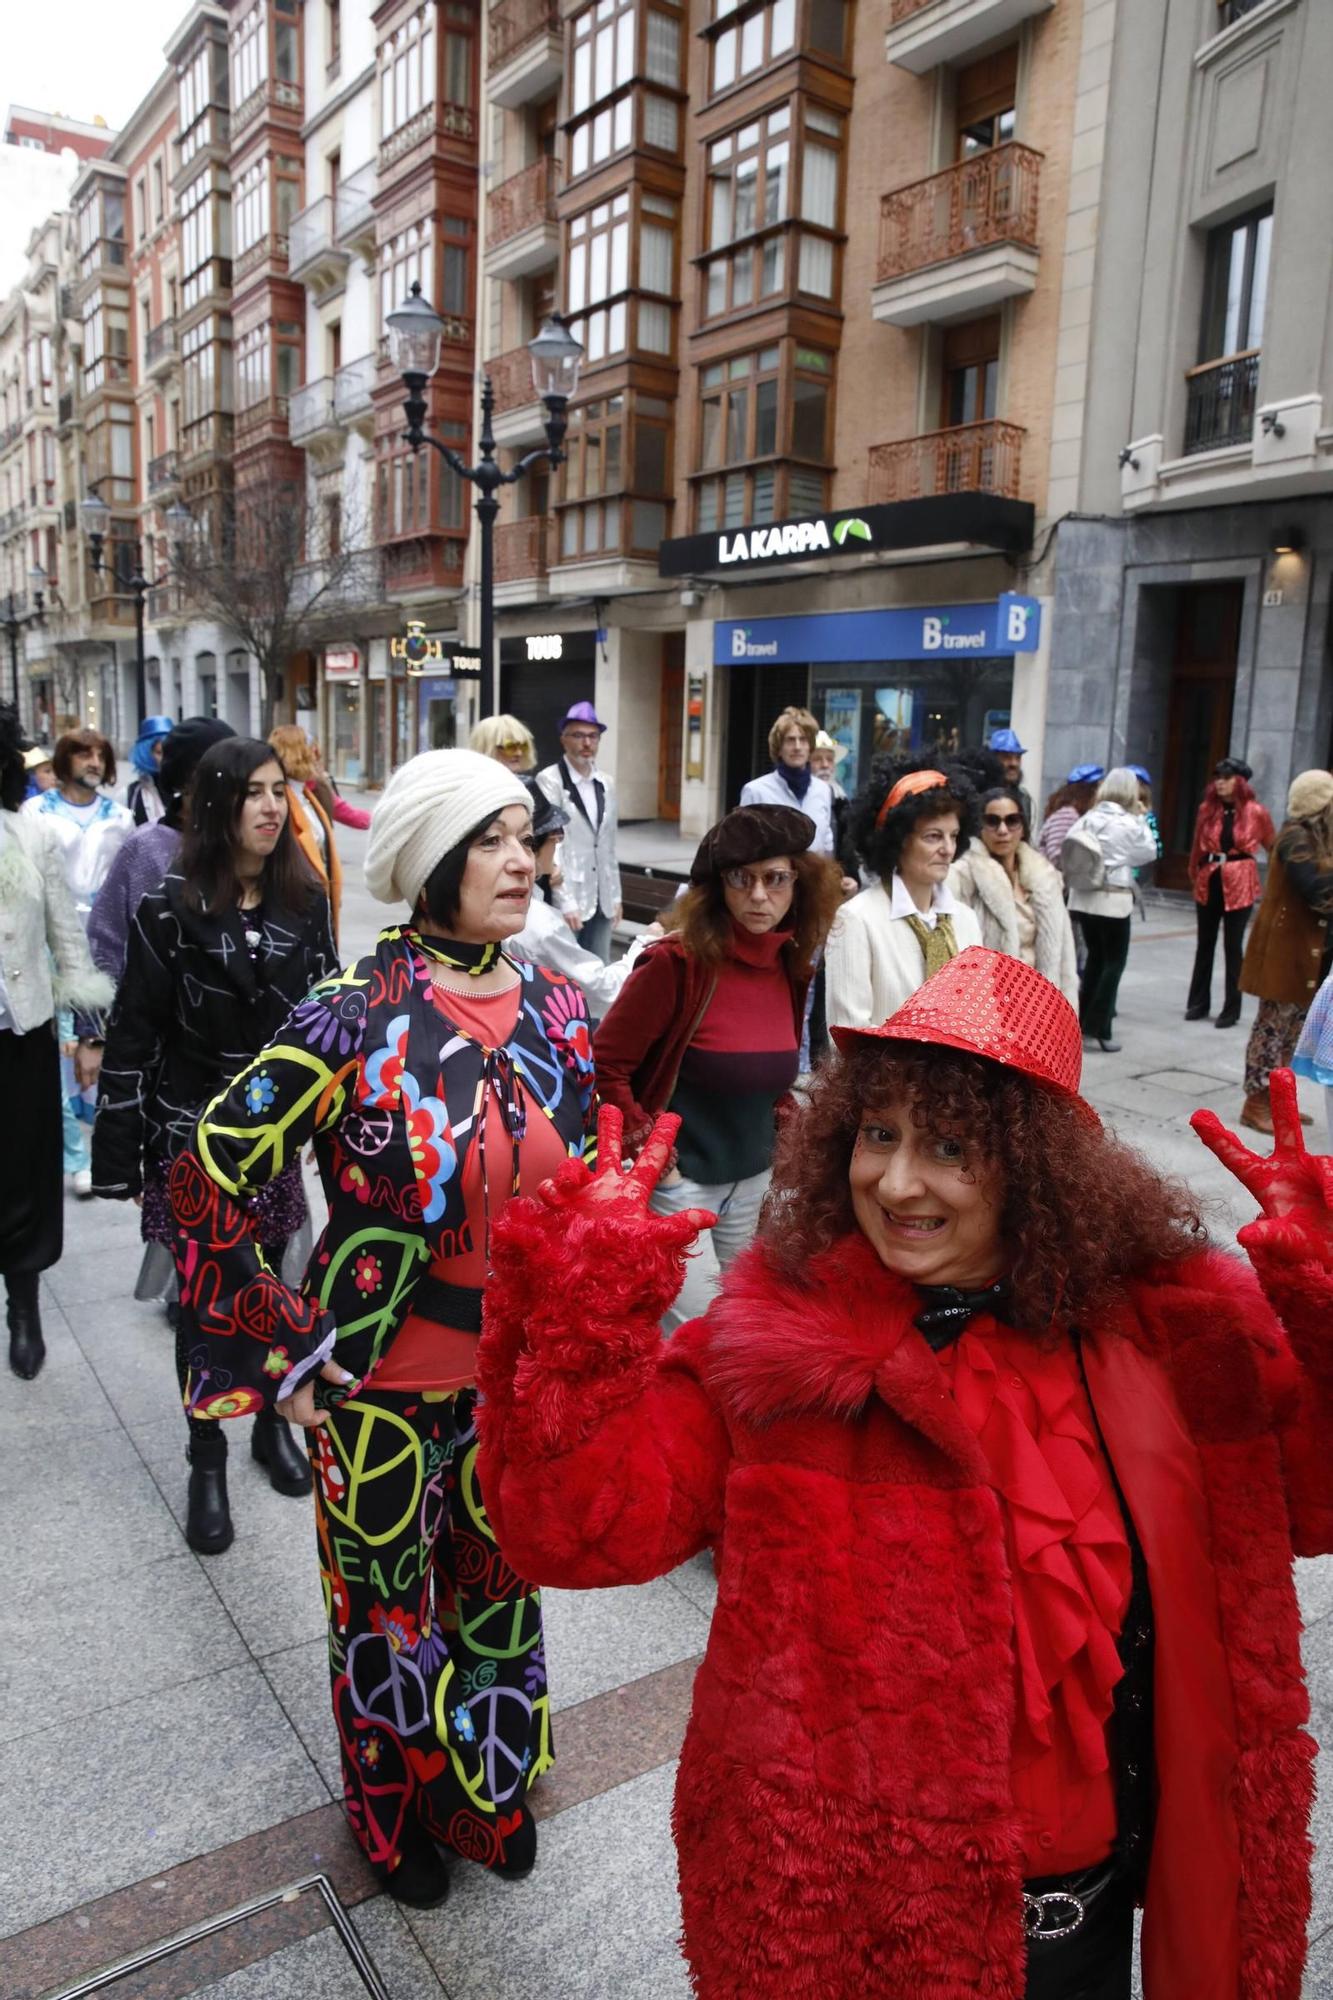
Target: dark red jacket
{"x":844,"y":1810}
{"x":1251,"y":829}
{"x":638,"y":1046}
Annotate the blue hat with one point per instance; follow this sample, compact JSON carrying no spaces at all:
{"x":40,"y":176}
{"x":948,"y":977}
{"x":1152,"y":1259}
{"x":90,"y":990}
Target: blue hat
{"x":1005,"y":741}
{"x":1086,"y":774}
{"x":1144,"y":777}
{"x":583,"y":711}
{"x":153,"y":729}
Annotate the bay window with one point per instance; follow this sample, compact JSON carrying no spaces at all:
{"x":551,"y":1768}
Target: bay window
{"x":620,"y":51}
{"x":763,"y":437}
{"x":616,"y":480}
{"x":407,"y":71}
{"x":779,"y":170}
{"x":612,"y":262}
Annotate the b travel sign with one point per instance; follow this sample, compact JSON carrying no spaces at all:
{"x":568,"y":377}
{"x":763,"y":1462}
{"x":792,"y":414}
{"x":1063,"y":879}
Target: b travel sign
{"x":983,"y":519}
{"x":1011,"y":624}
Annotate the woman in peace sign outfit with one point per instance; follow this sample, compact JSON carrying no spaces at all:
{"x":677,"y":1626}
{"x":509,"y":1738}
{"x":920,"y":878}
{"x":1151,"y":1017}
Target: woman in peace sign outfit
{"x":1008,"y":1468}
{"x":437,"y":1077}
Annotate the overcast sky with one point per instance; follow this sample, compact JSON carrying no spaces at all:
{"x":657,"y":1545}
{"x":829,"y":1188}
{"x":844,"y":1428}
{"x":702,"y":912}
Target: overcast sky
{"x":83,"y":59}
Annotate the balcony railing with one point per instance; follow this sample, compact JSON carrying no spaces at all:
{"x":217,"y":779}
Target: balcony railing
{"x":991,"y":198}
{"x":970,"y":458}
{"x":1231,"y":11}
{"x":355,"y":205}
{"x":9,"y":433}
{"x":211,"y":436}
{"x":161,"y":343}
{"x":310,"y":410}
{"x":522,"y":201}
{"x":353,"y":578}
{"x":511,"y":379}
{"x":163,"y":471}
{"x":311,"y":237}
{"x":520,"y":549}
{"x":352,"y":388}
{"x":515,"y":23}
{"x":1220,"y":402}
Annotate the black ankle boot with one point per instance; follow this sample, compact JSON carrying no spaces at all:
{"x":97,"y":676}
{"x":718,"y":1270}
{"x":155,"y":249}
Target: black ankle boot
{"x":421,"y":1879}
{"x":520,"y":1848}
{"x":27,"y":1349}
{"x":274,"y":1446}
{"x":208,"y":1527}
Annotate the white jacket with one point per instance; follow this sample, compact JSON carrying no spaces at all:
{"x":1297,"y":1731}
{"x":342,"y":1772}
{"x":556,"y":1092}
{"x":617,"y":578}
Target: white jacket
{"x":1127,"y":842}
{"x":87,"y":846}
{"x":772,"y":790}
{"x":547,"y":940}
{"x":874,"y":961}
{"x":38,"y":924}
{"x":982,"y":882}
{"x":587,"y":854}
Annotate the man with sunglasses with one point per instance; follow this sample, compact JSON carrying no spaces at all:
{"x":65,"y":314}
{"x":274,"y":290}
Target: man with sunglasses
{"x":589,"y":900}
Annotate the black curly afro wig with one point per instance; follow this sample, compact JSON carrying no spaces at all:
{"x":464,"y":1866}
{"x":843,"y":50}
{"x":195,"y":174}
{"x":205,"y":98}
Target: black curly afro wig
{"x":880,"y":846}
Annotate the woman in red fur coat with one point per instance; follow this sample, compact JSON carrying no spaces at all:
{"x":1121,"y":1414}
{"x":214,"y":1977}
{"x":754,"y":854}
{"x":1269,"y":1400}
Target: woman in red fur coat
{"x":1011,"y":1466}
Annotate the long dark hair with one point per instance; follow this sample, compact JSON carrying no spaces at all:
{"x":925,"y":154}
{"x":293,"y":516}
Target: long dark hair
{"x":207,"y":858}
{"x":702,"y":922}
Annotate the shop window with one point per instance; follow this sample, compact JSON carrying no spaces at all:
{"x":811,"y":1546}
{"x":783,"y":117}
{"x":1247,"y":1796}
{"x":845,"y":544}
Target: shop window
{"x":970,"y":372}
{"x":758,"y":414}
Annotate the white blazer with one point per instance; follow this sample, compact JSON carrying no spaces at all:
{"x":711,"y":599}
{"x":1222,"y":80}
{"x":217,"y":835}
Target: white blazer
{"x":547,"y":940}
{"x":874,"y":960}
{"x":38,"y":924}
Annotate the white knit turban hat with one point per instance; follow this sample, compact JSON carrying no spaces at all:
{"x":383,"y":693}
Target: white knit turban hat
{"x":429,"y":805}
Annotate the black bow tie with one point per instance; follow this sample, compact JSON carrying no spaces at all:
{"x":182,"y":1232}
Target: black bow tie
{"x":947,"y":1310}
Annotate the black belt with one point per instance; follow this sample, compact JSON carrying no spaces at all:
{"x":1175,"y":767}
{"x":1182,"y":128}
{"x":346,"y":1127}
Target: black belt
{"x":1236,"y":856}
{"x":1055,"y":1906}
{"x":456,"y":1306}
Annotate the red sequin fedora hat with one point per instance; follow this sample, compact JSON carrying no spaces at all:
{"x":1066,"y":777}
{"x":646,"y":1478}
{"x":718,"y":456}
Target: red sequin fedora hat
{"x":991,"y":1005}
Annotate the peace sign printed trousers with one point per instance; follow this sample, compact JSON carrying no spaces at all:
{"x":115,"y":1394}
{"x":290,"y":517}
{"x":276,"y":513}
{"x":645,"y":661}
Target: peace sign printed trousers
{"x":435,"y":1645}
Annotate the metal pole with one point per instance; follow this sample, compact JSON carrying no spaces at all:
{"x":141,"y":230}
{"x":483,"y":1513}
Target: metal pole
{"x":139,"y":586}
{"x":13,"y":628}
{"x":487,"y":509}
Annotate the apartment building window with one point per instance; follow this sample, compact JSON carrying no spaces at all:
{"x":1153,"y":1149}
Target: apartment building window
{"x":1222,"y":391}
{"x":613,"y":47}
{"x":202,"y":83}
{"x":757,"y":36}
{"x":749,"y":207}
{"x":333,"y":32}
{"x":970,"y":372}
{"x":48,"y":468}
{"x":106,"y":341}
{"x":205,"y":234}
{"x":985,"y":95}
{"x":249,"y":207}
{"x":141,"y":209}
{"x":760,"y":416}
{"x":206,"y":373}
{"x":405,"y":260}
{"x":249,"y":54}
{"x":159,"y":194}
{"x":252,"y":368}
{"x":610,"y":264}
{"x":407,"y":71}
{"x":102,"y":230}
{"x":616,"y":481}
{"x":452,"y":491}
{"x":287,"y":171}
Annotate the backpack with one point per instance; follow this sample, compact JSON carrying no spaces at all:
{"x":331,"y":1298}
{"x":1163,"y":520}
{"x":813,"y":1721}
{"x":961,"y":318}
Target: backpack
{"x":1082,"y":862}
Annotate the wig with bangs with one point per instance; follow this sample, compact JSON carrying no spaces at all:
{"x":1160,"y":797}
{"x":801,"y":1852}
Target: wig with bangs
{"x":1081,"y":1216}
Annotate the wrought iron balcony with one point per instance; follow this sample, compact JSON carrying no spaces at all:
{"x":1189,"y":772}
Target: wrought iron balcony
{"x":520,"y":418}
{"x":522,"y":236}
{"x":525,"y":48}
{"x":961,"y":241}
{"x":520,"y":550}
{"x":1221,"y":397}
{"x":969,"y":458}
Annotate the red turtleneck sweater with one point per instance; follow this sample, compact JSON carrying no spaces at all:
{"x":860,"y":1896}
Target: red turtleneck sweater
{"x":742,"y":1059}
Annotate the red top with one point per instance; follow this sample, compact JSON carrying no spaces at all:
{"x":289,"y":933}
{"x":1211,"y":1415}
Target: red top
{"x":1251,"y":829}
{"x":424,"y":1355}
{"x":1069,"y":1563}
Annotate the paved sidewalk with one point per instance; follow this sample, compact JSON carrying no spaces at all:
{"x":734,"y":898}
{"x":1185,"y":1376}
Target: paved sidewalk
{"x":168,"y":1750}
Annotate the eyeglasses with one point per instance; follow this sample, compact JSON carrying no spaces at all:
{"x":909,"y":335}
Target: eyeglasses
{"x":514,"y":749}
{"x":771,"y":881}
{"x":582,"y":735}
{"x":1002,"y":822}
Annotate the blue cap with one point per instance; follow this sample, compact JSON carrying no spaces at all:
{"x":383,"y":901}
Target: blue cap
{"x":1144,"y":777}
{"x":153,"y":729}
{"x":1005,"y":741}
{"x":1086,"y":774}
{"x":154,"y":726}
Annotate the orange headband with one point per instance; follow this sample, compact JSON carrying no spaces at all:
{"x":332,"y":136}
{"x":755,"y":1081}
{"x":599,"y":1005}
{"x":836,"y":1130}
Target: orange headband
{"x":907,"y":788}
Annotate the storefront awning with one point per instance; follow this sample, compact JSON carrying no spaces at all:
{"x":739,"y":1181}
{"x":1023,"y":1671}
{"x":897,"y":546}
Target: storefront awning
{"x":978,"y":520}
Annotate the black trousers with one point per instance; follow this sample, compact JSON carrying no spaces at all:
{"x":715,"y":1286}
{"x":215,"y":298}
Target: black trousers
{"x":1108,"y":948}
{"x":1213,"y":917}
{"x":1096,"y":1963}
{"x":32,"y":1187}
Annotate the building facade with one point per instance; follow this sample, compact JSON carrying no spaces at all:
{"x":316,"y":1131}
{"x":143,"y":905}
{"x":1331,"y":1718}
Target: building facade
{"x":1193,"y":587}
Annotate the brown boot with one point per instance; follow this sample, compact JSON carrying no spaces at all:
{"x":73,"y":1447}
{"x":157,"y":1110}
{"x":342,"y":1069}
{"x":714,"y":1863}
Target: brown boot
{"x":1258,"y":1115}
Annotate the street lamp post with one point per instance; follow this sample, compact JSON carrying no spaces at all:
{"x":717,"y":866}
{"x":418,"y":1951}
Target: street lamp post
{"x":96,"y":521}
{"x":15,"y":620}
{"x":414,"y":345}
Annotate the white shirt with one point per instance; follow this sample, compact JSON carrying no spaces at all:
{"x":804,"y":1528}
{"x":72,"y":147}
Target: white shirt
{"x":941,"y":902}
{"x":586,"y":789}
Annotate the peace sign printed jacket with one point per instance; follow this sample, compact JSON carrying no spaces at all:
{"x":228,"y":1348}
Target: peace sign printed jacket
{"x":392,"y":1096}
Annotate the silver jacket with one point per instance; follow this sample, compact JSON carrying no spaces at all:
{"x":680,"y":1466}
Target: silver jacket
{"x":547,"y":940}
{"x":87,"y":847}
{"x":587,"y":854}
{"x":39,"y":928}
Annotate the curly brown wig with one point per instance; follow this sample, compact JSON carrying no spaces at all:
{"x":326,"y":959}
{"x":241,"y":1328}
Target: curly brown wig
{"x":1082,"y":1215}
{"x":704,"y":923}
{"x":880,"y":844}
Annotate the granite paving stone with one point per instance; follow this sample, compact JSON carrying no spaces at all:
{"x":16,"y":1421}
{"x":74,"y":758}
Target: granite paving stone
{"x":110,"y":1798}
{"x":597,"y":1639}
{"x":81,"y":1500}
{"x":299,"y":1677}
{"x":320,"y":1965}
{"x":66,"y":1395}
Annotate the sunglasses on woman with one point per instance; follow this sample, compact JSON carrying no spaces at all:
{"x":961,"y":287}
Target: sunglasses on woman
{"x":772,"y":879}
{"x":1002,"y":822}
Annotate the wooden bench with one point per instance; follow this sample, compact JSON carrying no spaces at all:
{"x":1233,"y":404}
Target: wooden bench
{"x":648,"y":891}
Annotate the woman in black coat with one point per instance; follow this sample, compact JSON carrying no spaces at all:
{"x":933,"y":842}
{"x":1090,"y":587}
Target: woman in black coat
{"x":218,"y":956}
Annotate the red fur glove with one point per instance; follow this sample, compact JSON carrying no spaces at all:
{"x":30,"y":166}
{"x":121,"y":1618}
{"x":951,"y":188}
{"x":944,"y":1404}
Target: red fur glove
{"x":579,"y":1279}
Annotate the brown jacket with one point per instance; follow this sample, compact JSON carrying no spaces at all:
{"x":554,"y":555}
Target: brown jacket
{"x":306,"y":810}
{"x":1285,"y":957}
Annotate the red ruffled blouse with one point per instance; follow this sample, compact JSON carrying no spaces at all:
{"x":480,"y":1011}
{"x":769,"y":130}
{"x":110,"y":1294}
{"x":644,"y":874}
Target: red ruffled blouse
{"x":1069,"y":1561}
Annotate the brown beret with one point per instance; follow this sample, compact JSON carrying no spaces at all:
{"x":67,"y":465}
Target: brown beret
{"x":751,"y":833}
